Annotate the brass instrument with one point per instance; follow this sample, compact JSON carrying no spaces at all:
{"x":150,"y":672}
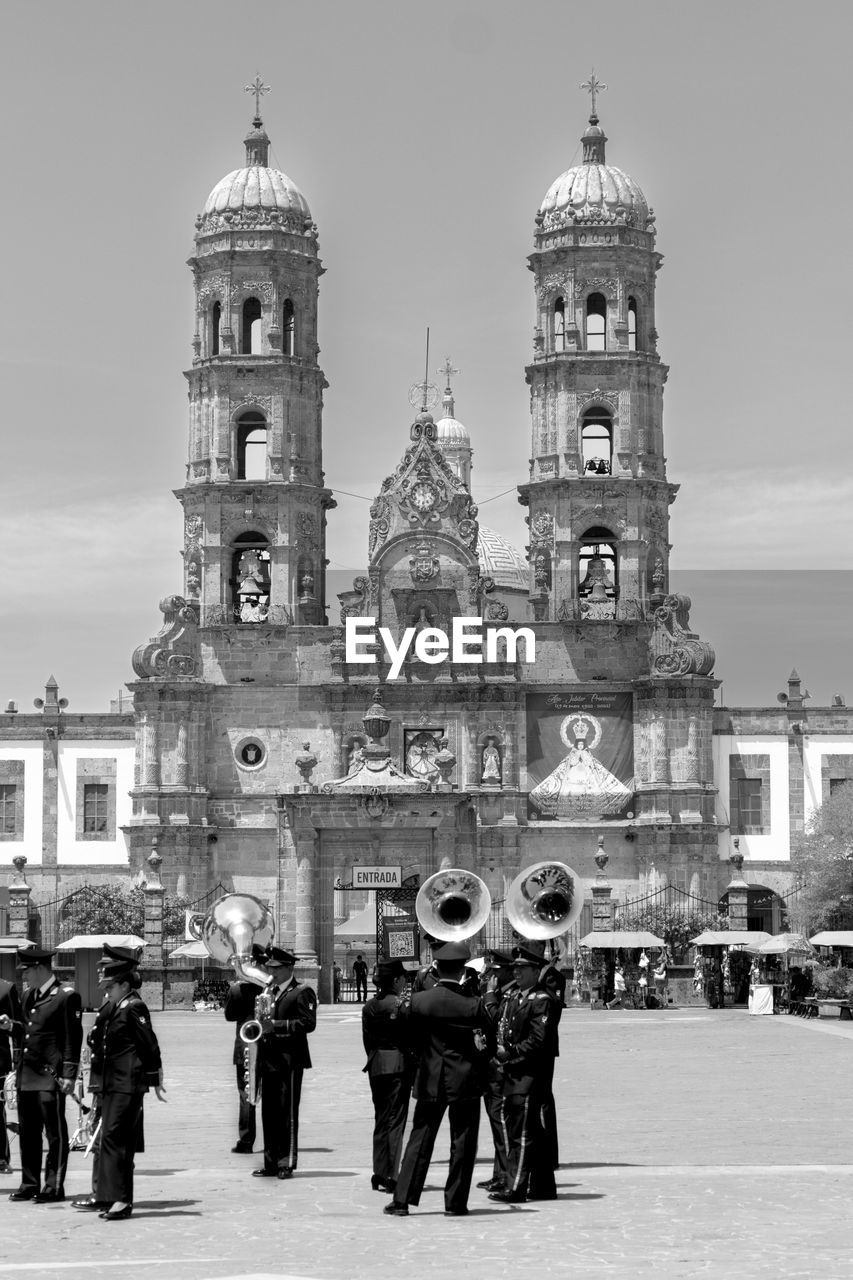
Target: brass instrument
{"x":544,"y":900}
{"x":234,"y":924}
{"x":453,"y":904}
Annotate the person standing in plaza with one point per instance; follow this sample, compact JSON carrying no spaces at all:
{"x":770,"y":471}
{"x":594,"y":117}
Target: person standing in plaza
{"x":451,"y":1032}
{"x":500,"y":985}
{"x":10,"y":1008}
{"x":50,"y":1059}
{"x":527,"y":1054}
{"x":660,"y":975}
{"x":283,"y":1057}
{"x":131,"y":1065}
{"x":359,"y":972}
{"x":620,"y":988}
{"x":389,"y":1069}
{"x":240,"y":1008}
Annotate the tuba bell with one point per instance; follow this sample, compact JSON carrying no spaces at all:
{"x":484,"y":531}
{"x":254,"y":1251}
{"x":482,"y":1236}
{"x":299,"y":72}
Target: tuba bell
{"x":233,"y":925}
{"x":544,"y":900}
{"x":453,"y":904}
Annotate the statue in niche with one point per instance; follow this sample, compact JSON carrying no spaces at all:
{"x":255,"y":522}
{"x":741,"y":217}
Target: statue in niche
{"x":193,"y":578}
{"x":306,"y":585}
{"x":491,"y":763}
{"x":356,"y":757}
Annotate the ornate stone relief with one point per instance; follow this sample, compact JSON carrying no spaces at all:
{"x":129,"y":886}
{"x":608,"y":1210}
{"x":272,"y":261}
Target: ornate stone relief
{"x":379,"y":523}
{"x":306,"y":532}
{"x":173,"y":652}
{"x":213,"y":286}
{"x":553,"y":284}
{"x":596,"y":284}
{"x":542,"y":528}
{"x":674,"y":649}
{"x":597,"y":395}
{"x":423,"y":565}
{"x":264,"y":403}
{"x":254,"y":288}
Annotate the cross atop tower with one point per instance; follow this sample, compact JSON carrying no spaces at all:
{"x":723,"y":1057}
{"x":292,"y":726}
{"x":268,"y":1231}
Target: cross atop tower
{"x":258,"y":88}
{"x":593,"y":87}
{"x":448,"y":371}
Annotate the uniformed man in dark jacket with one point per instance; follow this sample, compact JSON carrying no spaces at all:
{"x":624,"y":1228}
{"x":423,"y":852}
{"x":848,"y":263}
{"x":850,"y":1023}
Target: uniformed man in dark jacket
{"x":389,"y":1068}
{"x":452,"y":1035}
{"x":527,"y":1054}
{"x":500,"y":983}
{"x":10,"y":1008}
{"x":50,"y":1059}
{"x":240,"y":1008}
{"x":282,"y":1058}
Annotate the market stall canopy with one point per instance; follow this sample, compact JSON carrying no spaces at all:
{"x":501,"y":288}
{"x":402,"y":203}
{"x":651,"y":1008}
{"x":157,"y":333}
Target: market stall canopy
{"x":729,"y":938}
{"x":620,"y":939}
{"x":10,"y":943}
{"x":785,"y":944}
{"x":85,"y":941}
{"x":833,"y":938}
{"x":362,"y":925}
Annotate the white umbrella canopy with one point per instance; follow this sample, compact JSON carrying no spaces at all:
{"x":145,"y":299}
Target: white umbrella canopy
{"x":8,"y":942}
{"x":86,"y":941}
{"x":833,"y":938}
{"x":785,"y":944}
{"x":730,"y":938}
{"x":619,"y":939}
{"x":192,"y":950}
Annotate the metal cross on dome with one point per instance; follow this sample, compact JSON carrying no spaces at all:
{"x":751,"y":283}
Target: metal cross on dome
{"x":593,"y":87}
{"x":448,"y":370}
{"x":258,"y":88}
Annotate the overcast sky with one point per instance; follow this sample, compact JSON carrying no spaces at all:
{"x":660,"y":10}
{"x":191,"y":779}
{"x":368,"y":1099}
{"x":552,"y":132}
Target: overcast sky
{"x":424,"y":137}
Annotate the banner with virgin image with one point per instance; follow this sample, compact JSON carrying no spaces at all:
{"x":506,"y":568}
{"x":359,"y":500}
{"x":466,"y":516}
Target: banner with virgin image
{"x":580,"y":755}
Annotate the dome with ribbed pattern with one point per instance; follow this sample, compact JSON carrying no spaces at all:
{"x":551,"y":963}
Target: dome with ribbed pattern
{"x":594,"y":192}
{"x":256,"y":195}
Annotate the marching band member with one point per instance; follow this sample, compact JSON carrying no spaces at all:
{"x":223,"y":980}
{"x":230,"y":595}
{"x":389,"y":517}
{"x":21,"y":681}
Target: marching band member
{"x":500,"y":984}
{"x":282,"y":1058}
{"x":389,"y":1069}
{"x":240,"y":1008}
{"x":50,"y":1059}
{"x":130,"y":1065}
{"x":527,"y":1053}
{"x":451,"y":1032}
{"x":10,"y":1039}
{"x":95,"y":1048}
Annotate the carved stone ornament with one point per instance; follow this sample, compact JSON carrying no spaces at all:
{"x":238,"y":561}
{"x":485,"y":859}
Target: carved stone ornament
{"x":553,"y":283}
{"x":598,"y":396}
{"x":674,"y":650}
{"x":596,"y":284}
{"x":423,"y":565}
{"x":264,"y":403}
{"x":214,"y":286}
{"x":253,"y":289}
{"x":354,"y":603}
{"x":306,"y":532}
{"x":376,"y":805}
{"x":192,"y":528}
{"x":379,"y":523}
{"x":173,"y":652}
{"x":542,"y":528}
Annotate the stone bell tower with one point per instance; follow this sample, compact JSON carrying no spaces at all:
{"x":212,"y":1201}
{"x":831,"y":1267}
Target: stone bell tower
{"x":598,"y":493}
{"x":254,"y":499}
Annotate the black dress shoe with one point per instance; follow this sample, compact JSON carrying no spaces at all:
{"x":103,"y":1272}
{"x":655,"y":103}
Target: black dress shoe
{"x":383,"y":1184}
{"x":507,"y":1197}
{"x":116,"y":1215}
{"x":455,"y":1213}
{"x":89,"y":1203}
{"x":284,"y":1174}
{"x":48,"y":1195}
{"x":23,"y":1193}
{"x":492,"y":1184}
{"x":264,"y":1173}
{"x":396,"y":1210}
{"x":241,"y":1149}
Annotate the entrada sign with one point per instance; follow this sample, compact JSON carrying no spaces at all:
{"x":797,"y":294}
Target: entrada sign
{"x":377,"y":877}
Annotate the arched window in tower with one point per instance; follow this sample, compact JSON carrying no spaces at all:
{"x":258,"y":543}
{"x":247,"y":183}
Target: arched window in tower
{"x":598,"y":567}
{"x":215,"y":321}
{"x":596,"y":322}
{"x":251,"y":446}
{"x":288,"y":328}
{"x":632,"y":324}
{"x":249,"y":584}
{"x":597,"y":443}
{"x":250,"y":336}
{"x":560,"y":325}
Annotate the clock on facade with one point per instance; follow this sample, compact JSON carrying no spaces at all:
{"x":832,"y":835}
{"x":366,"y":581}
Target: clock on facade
{"x":423,"y":496}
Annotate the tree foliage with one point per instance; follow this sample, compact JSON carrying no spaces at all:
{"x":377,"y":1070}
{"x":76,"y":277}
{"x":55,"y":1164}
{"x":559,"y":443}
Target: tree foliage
{"x":822,"y":859}
{"x":676,"y":925}
{"x":113,"y":909}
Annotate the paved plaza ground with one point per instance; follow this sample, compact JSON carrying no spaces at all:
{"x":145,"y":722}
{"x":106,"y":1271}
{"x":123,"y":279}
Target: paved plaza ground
{"x":693,"y":1143}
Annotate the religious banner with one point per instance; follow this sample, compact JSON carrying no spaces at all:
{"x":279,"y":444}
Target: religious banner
{"x":580,"y":755}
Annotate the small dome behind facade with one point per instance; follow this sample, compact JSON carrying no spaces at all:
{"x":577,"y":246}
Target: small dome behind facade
{"x":594,"y":191}
{"x":450,"y":431}
{"x":501,"y":561}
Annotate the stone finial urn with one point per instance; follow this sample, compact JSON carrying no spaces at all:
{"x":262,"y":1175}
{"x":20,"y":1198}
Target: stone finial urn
{"x":445,"y":761}
{"x":306,"y":762}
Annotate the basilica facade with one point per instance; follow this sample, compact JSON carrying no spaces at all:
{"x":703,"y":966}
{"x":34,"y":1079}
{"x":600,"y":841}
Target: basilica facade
{"x":264,"y":754}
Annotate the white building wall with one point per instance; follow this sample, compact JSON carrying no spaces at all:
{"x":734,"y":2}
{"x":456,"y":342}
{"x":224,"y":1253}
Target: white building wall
{"x":775,"y":847}
{"x":70,"y":850}
{"x":814,"y":750}
{"x":31,"y":845}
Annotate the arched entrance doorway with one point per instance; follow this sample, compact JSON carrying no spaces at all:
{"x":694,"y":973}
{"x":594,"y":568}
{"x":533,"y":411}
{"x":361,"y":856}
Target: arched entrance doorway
{"x":765,"y":910}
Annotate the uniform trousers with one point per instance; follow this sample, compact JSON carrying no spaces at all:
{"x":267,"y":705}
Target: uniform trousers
{"x":280,"y":1095}
{"x":531,"y":1171}
{"x":43,"y":1111}
{"x":493,"y":1101}
{"x":390,"y":1107}
{"x":246,"y":1118}
{"x":549,"y":1117}
{"x":4,"y":1132}
{"x":464,"y":1117}
{"x":120,"y":1121}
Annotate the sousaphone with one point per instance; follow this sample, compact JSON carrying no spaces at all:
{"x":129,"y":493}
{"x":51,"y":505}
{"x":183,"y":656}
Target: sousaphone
{"x":453,"y":904}
{"x":544,"y":900}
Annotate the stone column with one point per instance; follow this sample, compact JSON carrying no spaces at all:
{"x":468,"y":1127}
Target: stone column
{"x":182,"y":764}
{"x":153,"y":986}
{"x":19,"y":899}
{"x":603,"y":906}
{"x":737,"y":890}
